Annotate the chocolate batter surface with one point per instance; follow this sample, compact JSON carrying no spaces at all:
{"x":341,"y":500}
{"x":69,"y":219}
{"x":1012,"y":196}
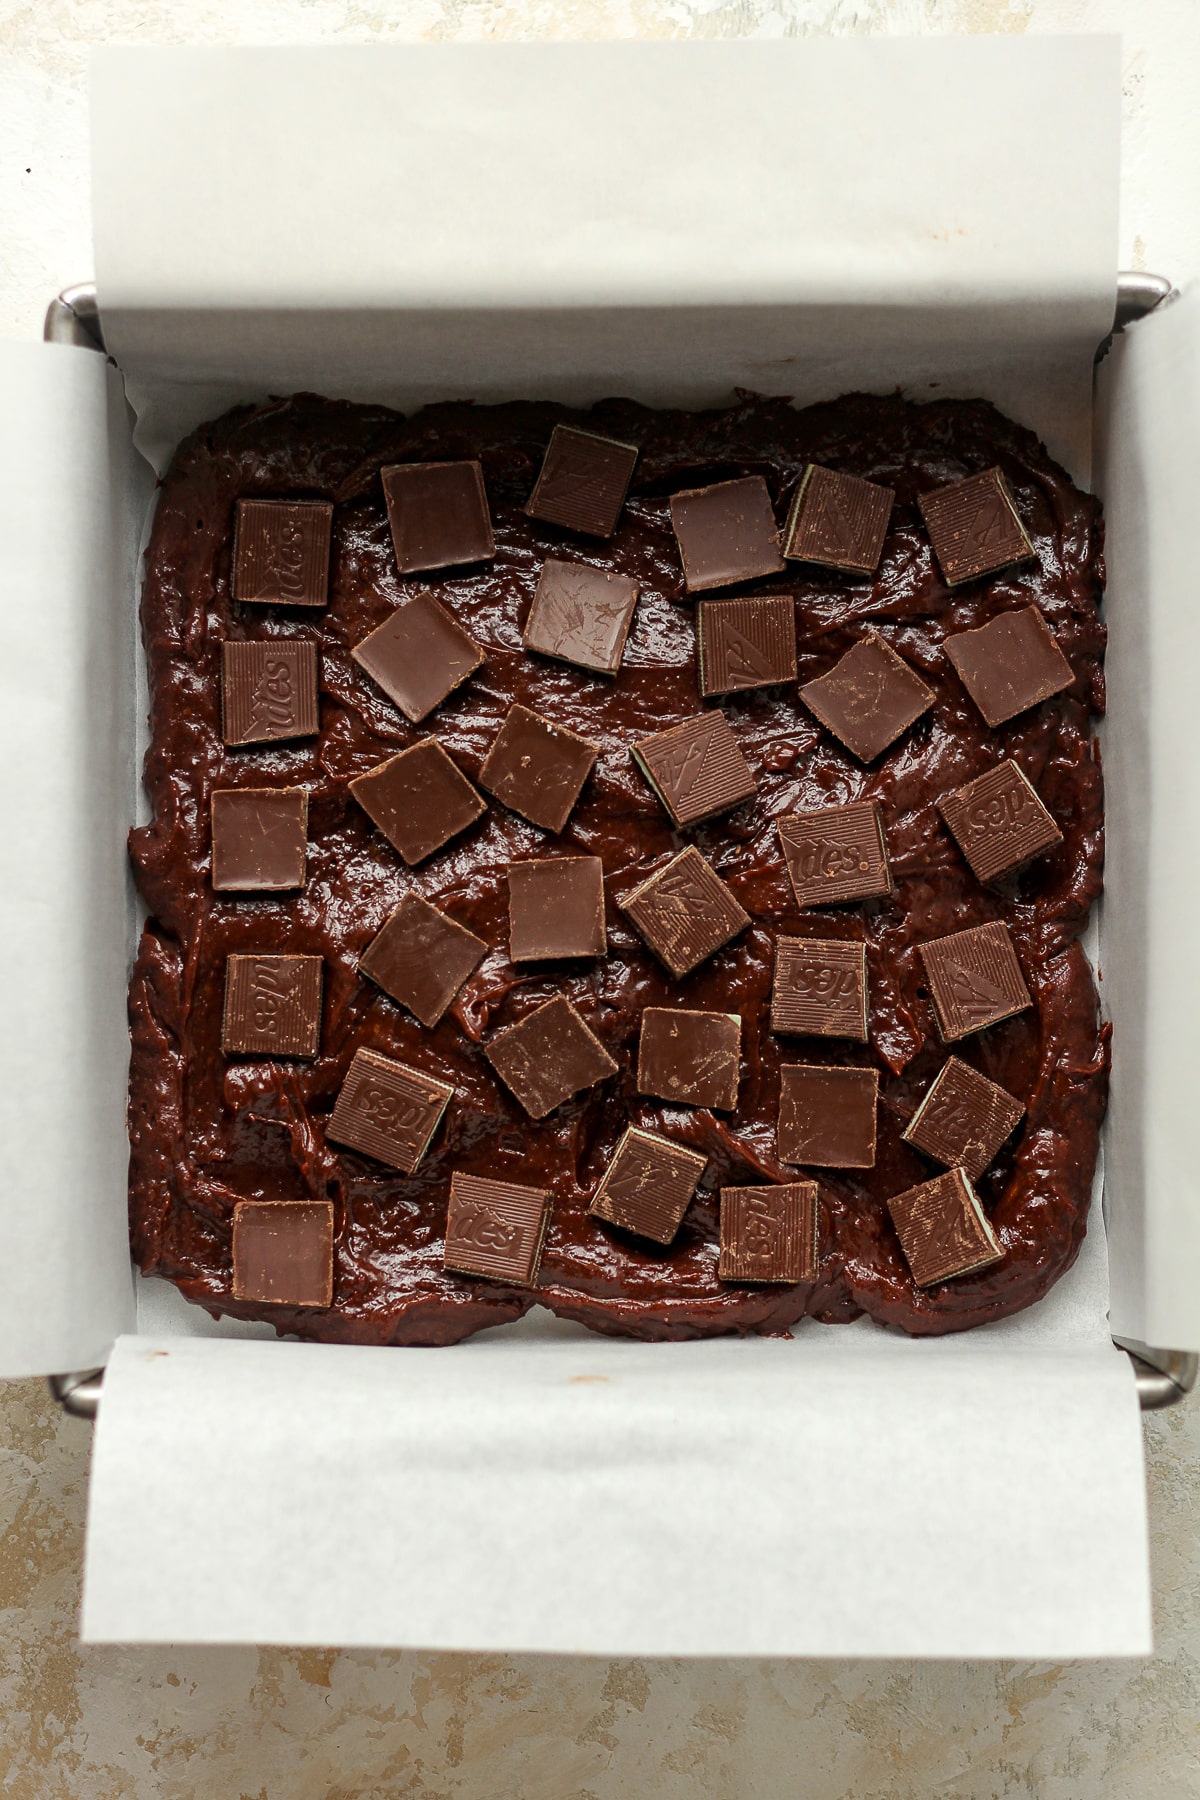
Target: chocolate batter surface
{"x":208,"y":1130}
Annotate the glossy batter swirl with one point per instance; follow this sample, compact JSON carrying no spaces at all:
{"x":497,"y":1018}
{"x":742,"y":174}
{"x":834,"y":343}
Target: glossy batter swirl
{"x":207,"y":1130}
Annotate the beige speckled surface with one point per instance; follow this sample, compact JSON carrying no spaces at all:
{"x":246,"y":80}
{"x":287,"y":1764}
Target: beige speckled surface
{"x":161,"y":1725}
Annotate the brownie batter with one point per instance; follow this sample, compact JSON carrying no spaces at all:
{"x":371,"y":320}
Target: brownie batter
{"x":208,"y":1130}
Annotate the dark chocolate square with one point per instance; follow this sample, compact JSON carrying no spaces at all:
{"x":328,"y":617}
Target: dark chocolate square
{"x":268,"y":690}
{"x":690,"y":1058}
{"x":943,"y":1230}
{"x":827,"y":1116}
{"x":999,"y":822}
{"x":272,"y":1006}
{"x":685,"y":912}
{"x":964,"y":1119}
{"x":769,"y":1233}
{"x":281,"y":552}
{"x":283,"y":1252}
{"x":747,"y":643}
{"x":839,"y":521}
{"x":495,"y":1229}
{"x":438,"y":513}
{"x":549,"y":1056}
{"x":820,"y":988}
{"x":835,"y":853}
{"x":975,"y":527}
{"x":726,"y":533}
{"x":419,"y":799}
{"x":868,"y":698}
{"x":537,"y":768}
{"x":974,"y":979}
{"x":648,"y":1185}
{"x":696,"y":768}
{"x":418,"y":656}
{"x":583,"y":481}
{"x":556,"y":908}
{"x":259,"y":839}
{"x":387,"y":1110}
{"x":581,"y":615}
{"x":422,"y":958}
{"x":1010,"y":664}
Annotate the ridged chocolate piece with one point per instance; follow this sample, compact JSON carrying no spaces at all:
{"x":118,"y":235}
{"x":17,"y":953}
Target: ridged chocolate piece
{"x":422,"y":958}
{"x":964,"y":1119}
{"x":690,"y":1058}
{"x":583,"y":481}
{"x":259,"y":839}
{"x":581,"y":615}
{"x":495,"y":1229}
{"x":419,"y":799}
{"x":726,"y":533}
{"x":943,"y":1230}
{"x":281,"y":552}
{"x":438,"y":514}
{"x":1010,"y":664}
{"x":827,"y":1116}
{"x":418,"y":656}
{"x":869,"y":697}
{"x":268,"y":690}
{"x":549,"y":1056}
{"x":685,"y":912}
{"x":537,"y":768}
{"x":839,"y":521}
{"x":387,"y":1110}
{"x":974,"y":979}
{"x":556,"y":908}
{"x":696,"y":768}
{"x":999,"y":822}
{"x":835,"y":853}
{"x":769,"y":1233}
{"x":283,"y":1252}
{"x":272,"y":1006}
{"x":820,"y":988}
{"x":975,"y":527}
{"x":648,"y":1185}
{"x":746,"y":643}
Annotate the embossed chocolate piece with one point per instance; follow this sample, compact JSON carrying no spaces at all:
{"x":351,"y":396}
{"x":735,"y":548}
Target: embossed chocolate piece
{"x":827,"y":1116}
{"x":746,"y":643}
{"x":868,"y":698}
{"x":964,"y":1119}
{"x":839,"y":521}
{"x":690,"y":1058}
{"x":685,"y":912}
{"x":648,"y":1185}
{"x":975,"y":527}
{"x":974,"y":979}
{"x":419,"y":799}
{"x":272,"y":1006}
{"x":999,"y":822}
{"x":696,"y":768}
{"x":549,"y":1056}
{"x":769,"y":1233}
{"x":418,"y":656}
{"x":536,"y":768}
{"x":820,"y":988}
{"x":283,"y":1252}
{"x":387,"y":1110}
{"x":422,"y":958}
{"x":268,"y":690}
{"x":259,"y":839}
{"x":495,"y":1229}
{"x":943,"y":1230}
{"x":835,"y":853}
{"x":281,"y":552}
{"x":726,"y":533}
{"x":583,"y":481}
{"x":581,"y":615}
{"x":556,"y":908}
{"x":438,"y":513}
{"x":1010,"y":664}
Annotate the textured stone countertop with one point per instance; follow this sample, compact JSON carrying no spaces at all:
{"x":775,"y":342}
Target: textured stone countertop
{"x":156,"y":1724}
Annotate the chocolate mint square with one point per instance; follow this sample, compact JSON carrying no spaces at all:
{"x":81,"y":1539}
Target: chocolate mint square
{"x":835,"y":853}
{"x":1010,"y":664}
{"x":556,"y":908}
{"x":281,"y":552}
{"x":769,"y":1233}
{"x":839,"y":521}
{"x":438,"y":513}
{"x":827,"y":1116}
{"x":418,"y":656}
{"x":581,"y":615}
{"x":999,"y":822}
{"x":974,"y":979}
{"x":272,"y":1006}
{"x":537,"y":768}
{"x":820,"y":987}
{"x":268,"y":690}
{"x":964,"y":1119}
{"x":583,"y":481}
{"x":868,"y":698}
{"x":495,"y":1229}
{"x":647,"y":1185}
{"x":259,"y":839}
{"x":422,"y":958}
{"x":975,"y":527}
{"x":387,"y":1110}
{"x":419,"y":799}
{"x":726,"y":533}
{"x":690,"y":1058}
{"x":283,"y":1252}
{"x":943,"y":1230}
{"x":696,"y":768}
{"x":685,"y":912}
{"x":549,"y":1056}
{"x":746,"y":643}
